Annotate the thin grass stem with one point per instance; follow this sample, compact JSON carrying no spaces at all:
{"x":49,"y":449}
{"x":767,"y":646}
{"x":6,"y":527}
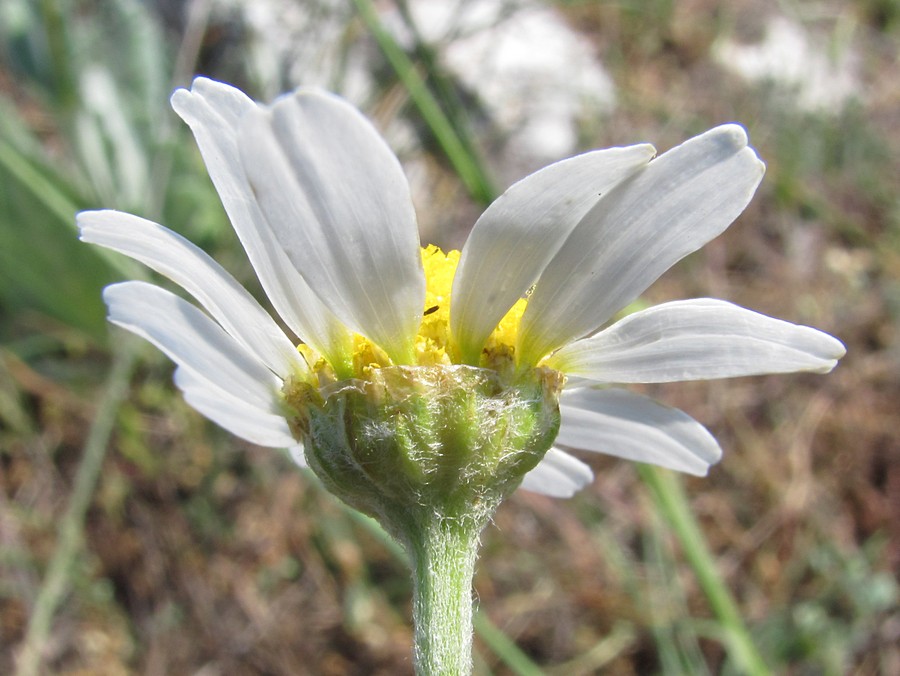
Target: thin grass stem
{"x":465,"y":162}
{"x":69,"y":539}
{"x":504,"y":647}
{"x":671,"y":502}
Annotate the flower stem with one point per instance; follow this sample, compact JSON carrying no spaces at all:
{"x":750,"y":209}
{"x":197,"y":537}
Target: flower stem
{"x":503,"y":648}
{"x":443,"y":558}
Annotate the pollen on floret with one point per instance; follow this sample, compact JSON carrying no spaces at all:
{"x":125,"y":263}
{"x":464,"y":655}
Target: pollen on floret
{"x":433,"y":338}
{"x":433,"y":341}
{"x":500,"y":347}
{"x":316,"y":362}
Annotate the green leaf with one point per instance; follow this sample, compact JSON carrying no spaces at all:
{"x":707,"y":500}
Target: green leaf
{"x":43,"y":266}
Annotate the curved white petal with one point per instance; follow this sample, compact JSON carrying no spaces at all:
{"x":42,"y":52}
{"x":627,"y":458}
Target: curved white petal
{"x":637,"y":231}
{"x":214,"y":111}
{"x":697,"y":340}
{"x":232,"y":413}
{"x":189,"y":266}
{"x":634,"y":427}
{"x":190,"y":338}
{"x":558,"y":475}
{"x":519,"y":233}
{"x":297,"y":455}
{"x":336,"y":199}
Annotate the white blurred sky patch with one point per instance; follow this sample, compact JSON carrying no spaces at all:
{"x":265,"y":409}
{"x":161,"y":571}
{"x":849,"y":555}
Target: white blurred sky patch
{"x":305,"y":43}
{"x":817,"y":74}
{"x":534,"y":75}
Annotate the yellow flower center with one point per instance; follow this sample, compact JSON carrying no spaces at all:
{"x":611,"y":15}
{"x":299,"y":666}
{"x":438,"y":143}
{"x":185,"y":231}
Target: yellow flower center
{"x":397,"y":441}
{"x":433,"y":343}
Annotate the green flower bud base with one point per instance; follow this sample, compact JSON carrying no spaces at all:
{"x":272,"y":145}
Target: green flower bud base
{"x":430,"y":452}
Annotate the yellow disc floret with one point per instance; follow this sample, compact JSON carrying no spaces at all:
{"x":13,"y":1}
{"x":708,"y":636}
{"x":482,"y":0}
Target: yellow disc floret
{"x":499,"y":351}
{"x":431,"y":437}
{"x":433,"y":342}
{"x":433,"y":339}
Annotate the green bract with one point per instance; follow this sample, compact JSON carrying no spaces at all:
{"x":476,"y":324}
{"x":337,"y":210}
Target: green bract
{"x":412,"y":441}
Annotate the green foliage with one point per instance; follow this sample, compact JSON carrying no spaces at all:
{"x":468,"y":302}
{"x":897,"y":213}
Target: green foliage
{"x":838,"y":616}
{"x":42,"y":264}
{"x":96,"y":133}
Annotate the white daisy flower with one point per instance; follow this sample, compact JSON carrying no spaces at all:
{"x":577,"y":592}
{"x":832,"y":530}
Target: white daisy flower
{"x":323,"y":209}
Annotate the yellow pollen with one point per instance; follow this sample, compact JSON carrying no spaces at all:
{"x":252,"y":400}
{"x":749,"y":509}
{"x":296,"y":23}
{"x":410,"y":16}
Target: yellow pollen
{"x":432,"y":343}
{"x":433,"y":338}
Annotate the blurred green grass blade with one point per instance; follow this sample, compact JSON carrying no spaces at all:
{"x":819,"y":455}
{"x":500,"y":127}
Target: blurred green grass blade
{"x":445,"y":88}
{"x":23,"y":171}
{"x":110,"y":115}
{"x":464,"y":159}
{"x":42,"y":263}
{"x":672,"y":504}
{"x":13,"y":414}
{"x":109,"y":141}
{"x":146,"y":63}
{"x":19,"y":52}
{"x":55,"y":21}
{"x":504,"y":647}
{"x":673,"y":629}
{"x":620,"y":639}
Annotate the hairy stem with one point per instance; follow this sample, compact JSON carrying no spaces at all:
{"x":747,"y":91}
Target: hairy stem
{"x":443,"y":557}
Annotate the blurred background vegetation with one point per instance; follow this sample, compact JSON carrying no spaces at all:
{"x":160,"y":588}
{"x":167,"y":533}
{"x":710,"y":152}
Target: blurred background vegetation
{"x":137,"y":538}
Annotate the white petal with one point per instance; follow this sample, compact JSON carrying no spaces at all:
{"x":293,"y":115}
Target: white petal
{"x":337,"y":201}
{"x":190,"y":338}
{"x":521,"y":231}
{"x":558,"y":475}
{"x":184,"y":263}
{"x":232,"y":413}
{"x":634,"y":427}
{"x":213,"y":111}
{"x":637,"y":231}
{"x":297,"y":455}
{"x":697,"y":340}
